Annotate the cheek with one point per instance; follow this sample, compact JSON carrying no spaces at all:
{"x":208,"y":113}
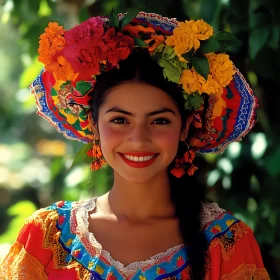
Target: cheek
{"x":110,"y":138}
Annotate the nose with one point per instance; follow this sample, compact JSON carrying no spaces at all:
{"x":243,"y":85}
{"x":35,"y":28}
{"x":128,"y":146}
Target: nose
{"x":139,"y":137}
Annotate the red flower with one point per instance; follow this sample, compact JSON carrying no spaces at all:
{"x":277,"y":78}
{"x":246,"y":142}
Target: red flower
{"x":110,"y":276}
{"x":180,"y":261}
{"x":61,"y":220}
{"x":178,"y":172}
{"x":189,"y":156}
{"x":119,"y":47}
{"x":192,"y":169}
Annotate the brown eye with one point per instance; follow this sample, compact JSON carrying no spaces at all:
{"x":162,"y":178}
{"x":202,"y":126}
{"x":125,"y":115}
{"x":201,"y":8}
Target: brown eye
{"x":119,"y":120}
{"x":161,"y":121}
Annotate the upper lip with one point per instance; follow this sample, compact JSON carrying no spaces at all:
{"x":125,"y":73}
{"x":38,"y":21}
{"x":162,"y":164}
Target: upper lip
{"x":139,"y":154}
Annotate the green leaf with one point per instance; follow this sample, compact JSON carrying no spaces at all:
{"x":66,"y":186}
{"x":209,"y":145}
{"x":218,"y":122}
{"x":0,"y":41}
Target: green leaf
{"x":201,"y":65}
{"x":170,"y":72}
{"x":114,"y":19}
{"x":195,"y":100}
{"x":83,"y":87}
{"x":207,"y":46}
{"x":226,"y":39}
{"x":139,"y":42}
{"x":187,"y":56}
{"x":130,"y":16}
{"x":168,"y":53}
{"x":81,"y":156}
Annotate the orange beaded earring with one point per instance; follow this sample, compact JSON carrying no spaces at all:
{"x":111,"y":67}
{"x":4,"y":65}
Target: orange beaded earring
{"x":96,"y":153}
{"x":184,"y":164}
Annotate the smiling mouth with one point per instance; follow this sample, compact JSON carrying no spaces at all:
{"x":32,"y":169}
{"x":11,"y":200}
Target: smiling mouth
{"x":140,"y":160}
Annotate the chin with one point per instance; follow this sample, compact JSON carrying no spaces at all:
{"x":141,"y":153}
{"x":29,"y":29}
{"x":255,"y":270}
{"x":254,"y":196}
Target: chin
{"x":140,"y":178}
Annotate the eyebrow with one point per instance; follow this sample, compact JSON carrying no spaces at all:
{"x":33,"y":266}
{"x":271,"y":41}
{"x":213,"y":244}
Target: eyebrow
{"x":160,"y":111}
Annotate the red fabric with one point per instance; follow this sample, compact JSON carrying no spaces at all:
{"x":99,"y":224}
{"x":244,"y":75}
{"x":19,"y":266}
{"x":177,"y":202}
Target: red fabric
{"x":246,"y":252}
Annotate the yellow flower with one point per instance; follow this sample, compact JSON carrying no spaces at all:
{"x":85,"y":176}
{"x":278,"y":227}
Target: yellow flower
{"x":221,"y":68}
{"x":211,"y":86}
{"x":187,"y":36}
{"x":142,"y":277}
{"x":192,"y":81}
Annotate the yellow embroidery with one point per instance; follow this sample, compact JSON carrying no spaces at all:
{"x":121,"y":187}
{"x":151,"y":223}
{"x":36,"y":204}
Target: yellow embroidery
{"x":227,"y":244}
{"x":247,"y":271}
{"x":19,"y":264}
{"x":229,"y":222}
{"x":99,"y":269}
{"x":69,"y":242}
{"x":90,"y":265}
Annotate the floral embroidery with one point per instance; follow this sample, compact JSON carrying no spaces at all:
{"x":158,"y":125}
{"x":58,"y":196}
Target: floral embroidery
{"x":76,"y":260}
{"x":247,"y":271}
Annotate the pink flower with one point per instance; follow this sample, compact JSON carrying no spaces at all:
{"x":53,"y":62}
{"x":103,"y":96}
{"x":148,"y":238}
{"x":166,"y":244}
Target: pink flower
{"x":85,"y":49}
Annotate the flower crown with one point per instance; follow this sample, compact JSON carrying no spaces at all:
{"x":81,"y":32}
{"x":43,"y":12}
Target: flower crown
{"x":190,"y":54}
{"x":187,"y":55}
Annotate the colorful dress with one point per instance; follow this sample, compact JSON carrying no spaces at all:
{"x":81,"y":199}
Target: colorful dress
{"x":55,"y":244}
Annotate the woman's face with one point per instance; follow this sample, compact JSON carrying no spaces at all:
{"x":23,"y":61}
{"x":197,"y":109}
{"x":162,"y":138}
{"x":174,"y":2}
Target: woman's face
{"x":139,"y":127}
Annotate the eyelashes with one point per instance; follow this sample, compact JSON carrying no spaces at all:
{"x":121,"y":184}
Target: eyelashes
{"x":159,"y":121}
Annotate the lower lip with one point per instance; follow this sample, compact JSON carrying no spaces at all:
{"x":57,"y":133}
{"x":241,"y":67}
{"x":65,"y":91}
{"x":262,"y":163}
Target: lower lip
{"x":138,"y":164}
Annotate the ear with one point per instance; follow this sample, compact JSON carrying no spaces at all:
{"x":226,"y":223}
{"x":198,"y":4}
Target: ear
{"x":185,"y":132}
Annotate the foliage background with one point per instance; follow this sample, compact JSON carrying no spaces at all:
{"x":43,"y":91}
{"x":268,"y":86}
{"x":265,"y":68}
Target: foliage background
{"x":35,"y":162}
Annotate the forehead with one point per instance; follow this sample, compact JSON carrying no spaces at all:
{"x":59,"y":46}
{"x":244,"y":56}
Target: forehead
{"x":139,"y":96}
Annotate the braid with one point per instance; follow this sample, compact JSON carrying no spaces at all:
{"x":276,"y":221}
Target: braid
{"x":187,"y":194}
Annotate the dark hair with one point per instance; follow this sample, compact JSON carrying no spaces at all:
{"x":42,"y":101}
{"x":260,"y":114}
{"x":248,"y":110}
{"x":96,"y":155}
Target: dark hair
{"x":186,"y":193}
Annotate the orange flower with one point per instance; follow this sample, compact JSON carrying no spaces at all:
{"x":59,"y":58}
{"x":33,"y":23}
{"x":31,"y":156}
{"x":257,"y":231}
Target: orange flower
{"x":192,"y":169}
{"x":51,"y":42}
{"x":158,"y":39}
{"x":62,"y":69}
{"x":221,"y":68}
{"x":187,"y":36}
{"x":97,"y":164}
{"x":95,"y":152}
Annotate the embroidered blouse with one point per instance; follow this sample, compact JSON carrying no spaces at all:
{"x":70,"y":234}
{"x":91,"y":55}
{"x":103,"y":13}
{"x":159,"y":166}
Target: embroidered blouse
{"x":55,"y":244}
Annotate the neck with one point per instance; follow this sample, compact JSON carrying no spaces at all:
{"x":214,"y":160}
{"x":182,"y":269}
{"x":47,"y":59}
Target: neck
{"x":139,"y":201}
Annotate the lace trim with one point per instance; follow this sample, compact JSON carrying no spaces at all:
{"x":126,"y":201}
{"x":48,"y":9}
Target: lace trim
{"x":20,"y":265}
{"x":209,"y":212}
{"x":226,"y":243}
{"x":81,"y":227}
{"x":247,"y":271}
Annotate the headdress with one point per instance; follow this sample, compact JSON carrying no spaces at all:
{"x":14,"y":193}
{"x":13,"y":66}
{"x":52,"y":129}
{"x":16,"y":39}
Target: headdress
{"x":190,"y":54}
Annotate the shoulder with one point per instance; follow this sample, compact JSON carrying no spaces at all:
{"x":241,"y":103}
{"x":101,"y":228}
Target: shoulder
{"x":233,"y":249}
{"x":217,"y":223}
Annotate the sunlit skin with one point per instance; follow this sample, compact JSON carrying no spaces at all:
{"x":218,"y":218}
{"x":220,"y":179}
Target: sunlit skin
{"x":138,"y":118}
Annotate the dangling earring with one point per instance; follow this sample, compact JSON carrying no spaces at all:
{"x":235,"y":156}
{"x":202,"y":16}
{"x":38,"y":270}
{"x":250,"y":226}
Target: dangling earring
{"x":96,"y":153}
{"x":184,"y":164}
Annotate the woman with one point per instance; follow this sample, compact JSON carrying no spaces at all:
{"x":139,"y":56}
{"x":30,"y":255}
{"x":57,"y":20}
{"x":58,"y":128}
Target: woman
{"x":148,"y":93}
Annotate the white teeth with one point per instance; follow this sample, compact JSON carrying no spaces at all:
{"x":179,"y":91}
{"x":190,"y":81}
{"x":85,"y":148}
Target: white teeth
{"x":133,"y":158}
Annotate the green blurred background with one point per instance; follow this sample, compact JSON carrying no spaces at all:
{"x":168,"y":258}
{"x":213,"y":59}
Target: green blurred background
{"x":35,"y":161}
